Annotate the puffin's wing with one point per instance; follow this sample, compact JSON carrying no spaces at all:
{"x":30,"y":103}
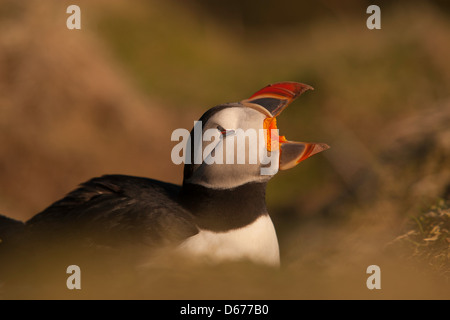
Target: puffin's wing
{"x":117,"y":210}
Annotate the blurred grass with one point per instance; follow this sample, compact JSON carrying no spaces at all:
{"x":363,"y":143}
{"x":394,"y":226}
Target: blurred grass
{"x":77,"y":104}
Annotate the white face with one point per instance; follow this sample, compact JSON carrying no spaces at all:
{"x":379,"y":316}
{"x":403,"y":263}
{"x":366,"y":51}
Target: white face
{"x":234,"y":150}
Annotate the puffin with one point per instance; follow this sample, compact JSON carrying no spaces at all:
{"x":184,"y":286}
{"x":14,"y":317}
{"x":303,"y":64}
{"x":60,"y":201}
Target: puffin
{"x":219,"y":212}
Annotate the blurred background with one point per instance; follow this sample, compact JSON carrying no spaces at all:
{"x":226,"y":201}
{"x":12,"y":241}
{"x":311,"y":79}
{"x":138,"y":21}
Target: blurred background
{"x":75,"y":104}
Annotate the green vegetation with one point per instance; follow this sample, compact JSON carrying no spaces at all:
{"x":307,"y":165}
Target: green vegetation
{"x":428,"y":239}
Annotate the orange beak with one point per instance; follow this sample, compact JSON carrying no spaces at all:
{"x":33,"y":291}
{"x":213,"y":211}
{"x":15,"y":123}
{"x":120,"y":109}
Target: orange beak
{"x":274,"y":99}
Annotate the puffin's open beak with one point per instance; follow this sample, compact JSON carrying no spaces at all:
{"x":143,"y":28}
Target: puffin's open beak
{"x":272,"y":100}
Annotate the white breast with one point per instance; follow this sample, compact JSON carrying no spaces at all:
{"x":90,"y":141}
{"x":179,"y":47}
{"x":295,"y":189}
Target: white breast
{"x":256,"y":242}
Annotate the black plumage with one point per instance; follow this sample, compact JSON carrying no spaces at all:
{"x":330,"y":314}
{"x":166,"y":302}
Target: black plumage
{"x":118,"y":222}
{"x":9,"y":228}
{"x":116,"y":209}
{"x":109,"y":225}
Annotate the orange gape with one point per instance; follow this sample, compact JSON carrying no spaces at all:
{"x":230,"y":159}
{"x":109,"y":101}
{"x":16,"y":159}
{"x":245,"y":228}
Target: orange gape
{"x":269,"y":124}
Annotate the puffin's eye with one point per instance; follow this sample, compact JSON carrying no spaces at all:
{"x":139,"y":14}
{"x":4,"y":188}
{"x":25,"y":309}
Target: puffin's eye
{"x":222,"y":130}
